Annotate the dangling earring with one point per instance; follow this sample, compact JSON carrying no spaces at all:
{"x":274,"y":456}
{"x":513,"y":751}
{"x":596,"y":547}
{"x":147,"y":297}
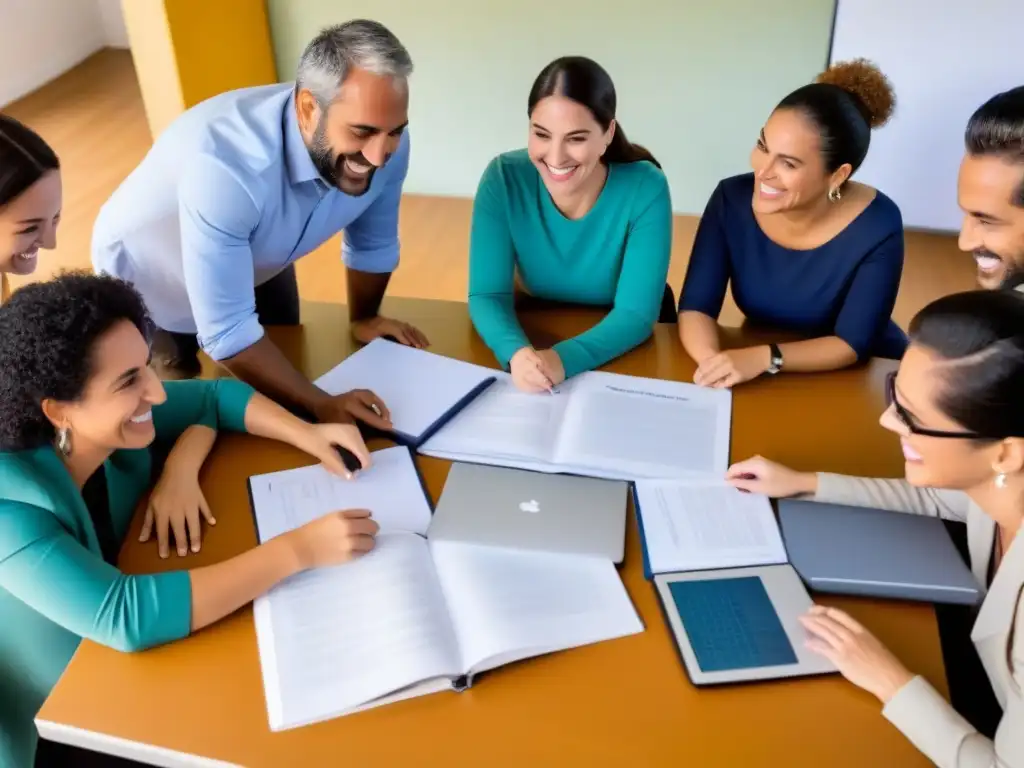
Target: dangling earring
{"x":1001,"y":480}
{"x":64,"y":441}
{"x":834,"y":195}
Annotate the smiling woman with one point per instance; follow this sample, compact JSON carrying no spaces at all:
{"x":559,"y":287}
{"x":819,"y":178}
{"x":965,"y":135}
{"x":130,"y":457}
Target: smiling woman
{"x":805,"y":249}
{"x":30,"y":199}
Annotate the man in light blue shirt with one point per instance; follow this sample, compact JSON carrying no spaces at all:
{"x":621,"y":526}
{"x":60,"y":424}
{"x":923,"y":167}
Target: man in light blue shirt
{"x":209,"y":225}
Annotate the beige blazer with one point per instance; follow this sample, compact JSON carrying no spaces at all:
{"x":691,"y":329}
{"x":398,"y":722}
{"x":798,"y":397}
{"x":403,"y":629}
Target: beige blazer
{"x":918,"y":710}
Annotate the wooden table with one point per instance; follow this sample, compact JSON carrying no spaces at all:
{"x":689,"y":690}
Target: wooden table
{"x":625,"y":702}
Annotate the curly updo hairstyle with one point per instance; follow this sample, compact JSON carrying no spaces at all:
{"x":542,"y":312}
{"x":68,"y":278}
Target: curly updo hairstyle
{"x":49,"y":332}
{"x":845,"y":103}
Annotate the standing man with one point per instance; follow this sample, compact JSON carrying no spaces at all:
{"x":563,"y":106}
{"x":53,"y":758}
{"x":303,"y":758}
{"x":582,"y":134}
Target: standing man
{"x":991,"y":190}
{"x":238,"y":188}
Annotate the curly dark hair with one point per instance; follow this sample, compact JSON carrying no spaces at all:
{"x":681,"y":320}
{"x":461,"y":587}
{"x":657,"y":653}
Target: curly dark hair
{"x":49,"y":330}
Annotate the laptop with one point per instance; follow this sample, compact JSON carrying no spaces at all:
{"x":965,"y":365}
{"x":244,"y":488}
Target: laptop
{"x":539,"y":511}
{"x":736,"y":625}
{"x":848,"y":550}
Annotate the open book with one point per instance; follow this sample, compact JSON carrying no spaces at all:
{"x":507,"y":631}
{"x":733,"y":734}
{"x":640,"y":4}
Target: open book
{"x":703,"y":525}
{"x":597,"y":424}
{"x":411,"y":617}
{"x":422,"y":390}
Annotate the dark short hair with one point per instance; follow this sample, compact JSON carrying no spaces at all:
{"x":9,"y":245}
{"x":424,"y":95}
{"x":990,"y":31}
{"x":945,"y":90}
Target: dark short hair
{"x":24,"y":158}
{"x":846,"y":102}
{"x":49,"y":331}
{"x":586,"y":82}
{"x":981,"y":334}
{"x":997,"y":128}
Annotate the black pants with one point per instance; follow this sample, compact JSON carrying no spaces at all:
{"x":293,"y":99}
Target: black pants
{"x":277,"y":303}
{"x":969,"y":688}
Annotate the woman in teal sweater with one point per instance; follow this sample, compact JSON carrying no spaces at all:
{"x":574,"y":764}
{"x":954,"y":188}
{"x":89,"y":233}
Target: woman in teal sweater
{"x":581,"y":215}
{"x":83,"y":424}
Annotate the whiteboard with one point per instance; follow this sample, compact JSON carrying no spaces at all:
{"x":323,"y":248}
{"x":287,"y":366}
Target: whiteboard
{"x":944,"y":58}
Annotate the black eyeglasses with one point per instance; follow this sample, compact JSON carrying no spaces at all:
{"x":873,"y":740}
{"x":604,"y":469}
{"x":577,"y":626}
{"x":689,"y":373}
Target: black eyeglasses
{"x":908,"y":421}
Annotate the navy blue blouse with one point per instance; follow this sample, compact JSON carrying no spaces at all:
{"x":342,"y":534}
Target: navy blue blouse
{"x":846,"y":287}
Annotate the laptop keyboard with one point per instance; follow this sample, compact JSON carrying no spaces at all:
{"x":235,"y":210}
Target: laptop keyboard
{"x":731,"y":624}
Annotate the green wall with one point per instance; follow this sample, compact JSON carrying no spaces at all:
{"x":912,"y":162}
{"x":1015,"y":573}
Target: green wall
{"x":695,"y":80}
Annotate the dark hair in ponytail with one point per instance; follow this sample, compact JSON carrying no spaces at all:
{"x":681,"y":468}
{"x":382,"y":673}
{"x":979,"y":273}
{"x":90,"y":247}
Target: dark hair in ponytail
{"x":586,"y":82}
{"x":979,"y":335}
{"x":24,"y":158}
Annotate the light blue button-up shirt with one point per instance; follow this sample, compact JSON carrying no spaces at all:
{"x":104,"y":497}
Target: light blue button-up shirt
{"x":224,"y":201}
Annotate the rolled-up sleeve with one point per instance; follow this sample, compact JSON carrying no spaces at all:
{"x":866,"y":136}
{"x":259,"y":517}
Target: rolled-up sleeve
{"x":218,"y":215}
{"x":42,"y":565}
{"x":219,"y":404}
{"x":370,"y":243}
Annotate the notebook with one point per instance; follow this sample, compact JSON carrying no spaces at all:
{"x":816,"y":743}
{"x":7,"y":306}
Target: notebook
{"x":411,"y":617}
{"x":536,"y":511}
{"x":719,"y":567}
{"x":422,"y":390}
{"x":596,"y":424}
{"x":874,"y":553}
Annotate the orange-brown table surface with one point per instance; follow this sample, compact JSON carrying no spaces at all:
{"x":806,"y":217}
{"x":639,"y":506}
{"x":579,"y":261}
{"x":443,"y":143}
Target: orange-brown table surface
{"x":625,"y":703}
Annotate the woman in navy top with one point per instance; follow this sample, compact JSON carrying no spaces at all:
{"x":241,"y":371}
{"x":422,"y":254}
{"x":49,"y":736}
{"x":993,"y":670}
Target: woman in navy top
{"x":805,"y":249}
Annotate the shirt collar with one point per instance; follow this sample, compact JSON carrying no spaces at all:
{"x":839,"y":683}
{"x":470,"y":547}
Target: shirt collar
{"x":300,"y":164}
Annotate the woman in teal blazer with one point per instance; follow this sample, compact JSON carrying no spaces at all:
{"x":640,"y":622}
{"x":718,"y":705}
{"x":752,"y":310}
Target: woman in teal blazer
{"x":581,"y":215}
{"x":83,"y":423}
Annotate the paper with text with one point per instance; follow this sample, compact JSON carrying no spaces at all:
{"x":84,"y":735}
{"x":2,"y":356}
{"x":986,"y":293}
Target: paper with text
{"x":508,"y":604}
{"x":390,"y":489}
{"x":418,"y":387}
{"x":694,"y":526}
{"x":333,"y":640}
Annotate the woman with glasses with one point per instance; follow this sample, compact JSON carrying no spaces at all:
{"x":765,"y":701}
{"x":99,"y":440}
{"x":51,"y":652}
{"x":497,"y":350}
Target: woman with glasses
{"x":956,"y":406}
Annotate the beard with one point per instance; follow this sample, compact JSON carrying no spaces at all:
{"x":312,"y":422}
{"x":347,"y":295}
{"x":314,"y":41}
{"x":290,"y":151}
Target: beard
{"x":331,"y":166}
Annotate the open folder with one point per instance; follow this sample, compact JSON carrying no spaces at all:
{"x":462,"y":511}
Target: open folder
{"x":411,"y":617}
{"x":422,"y":390}
{"x":597,"y":424}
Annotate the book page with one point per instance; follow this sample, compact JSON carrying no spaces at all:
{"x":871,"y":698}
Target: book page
{"x":418,"y":387}
{"x":646,"y":428}
{"x":504,"y":426}
{"x":333,"y":640}
{"x":691,"y":526}
{"x":508,"y":604}
{"x":390,"y":489}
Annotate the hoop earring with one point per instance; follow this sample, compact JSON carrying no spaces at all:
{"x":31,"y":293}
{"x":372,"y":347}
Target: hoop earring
{"x":834,"y":195}
{"x":64,"y":441}
{"x":1001,"y":480}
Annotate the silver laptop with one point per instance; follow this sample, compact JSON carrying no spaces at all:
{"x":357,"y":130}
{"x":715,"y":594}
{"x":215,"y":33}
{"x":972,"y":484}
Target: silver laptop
{"x":874,"y":553}
{"x":736,"y":625}
{"x":520,"y":509}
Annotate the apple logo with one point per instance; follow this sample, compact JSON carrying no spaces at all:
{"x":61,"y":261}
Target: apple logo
{"x":530,"y":506}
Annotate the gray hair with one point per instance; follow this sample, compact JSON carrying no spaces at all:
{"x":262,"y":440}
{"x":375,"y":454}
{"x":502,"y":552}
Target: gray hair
{"x":357,"y":44}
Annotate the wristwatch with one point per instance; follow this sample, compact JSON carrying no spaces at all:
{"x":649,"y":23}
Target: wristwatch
{"x":776,"y":364}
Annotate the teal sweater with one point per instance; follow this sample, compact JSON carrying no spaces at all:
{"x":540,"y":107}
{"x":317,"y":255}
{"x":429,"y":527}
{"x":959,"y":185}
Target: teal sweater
{"x":615,"y":256}
{"x":55,"y":587}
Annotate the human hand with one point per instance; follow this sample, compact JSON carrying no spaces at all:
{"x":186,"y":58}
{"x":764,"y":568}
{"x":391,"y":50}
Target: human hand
{"x":176,"y":504}
{"x":734,"y":366}
{"x":758,"y":475}
{"x":527,"y":368}
{"x":361,"y":404}
{"x":858,"y":654}
{"x":335,"y":538}
{"x":404,"y":333}
{"x":323,"y":440}
{"x":551,"y":366}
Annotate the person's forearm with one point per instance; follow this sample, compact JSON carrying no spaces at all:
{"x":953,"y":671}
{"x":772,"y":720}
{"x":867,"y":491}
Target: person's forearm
{"x":828,"y":353}
{"x":365,"y":293}
{"x":699,"y":335}
{"x":221,"y":589}
{"x":265,"y":418}
{"x":266,"y":368}
{"x":191,"y":449}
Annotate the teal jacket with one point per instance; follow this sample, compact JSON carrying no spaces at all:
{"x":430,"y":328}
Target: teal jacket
{"x":617,"y":256}
{"x":55,"y":587}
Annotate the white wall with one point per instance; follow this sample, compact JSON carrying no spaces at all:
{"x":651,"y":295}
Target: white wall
{"x":41,"y":39}
{"x":944,"y":58}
